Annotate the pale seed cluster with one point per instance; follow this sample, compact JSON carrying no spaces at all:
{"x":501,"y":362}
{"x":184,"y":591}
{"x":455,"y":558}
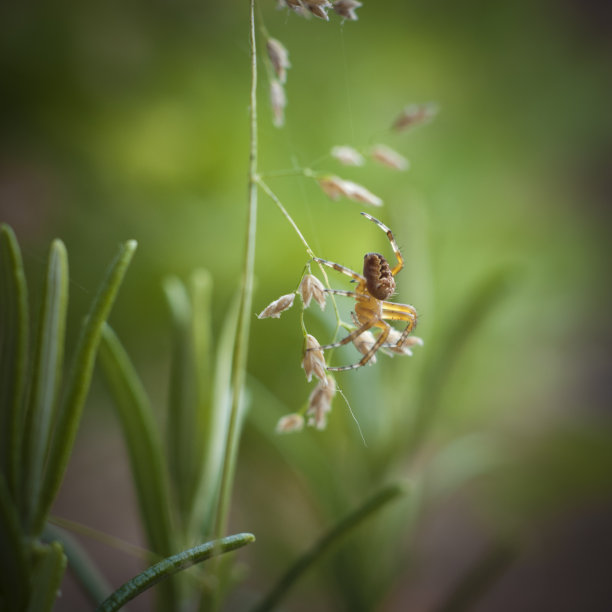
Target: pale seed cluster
{"x":290,"y":422}
{"x":415,"y":114}
{"x":319,"y":8}
{"x":312,"y":288}
{"x":390,"y":158}
{"x":348,"y":156}
{"x":394,"y":346}
{"x":278,"y":101}
{"x":279,"y":56}
{"x":313,"y":361}
{"x":319,"y":402}
{"x":275,"y":308}
{"x":335,"y":188}
{"x":364,"y":343}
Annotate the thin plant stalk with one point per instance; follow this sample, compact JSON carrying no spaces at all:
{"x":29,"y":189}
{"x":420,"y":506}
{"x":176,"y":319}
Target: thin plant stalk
{"x":246,"y":298}
{"x":266,"y":189}
{"x":14,"y":334}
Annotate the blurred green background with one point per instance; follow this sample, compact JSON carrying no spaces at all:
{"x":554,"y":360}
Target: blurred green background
{"x":131,"y":121}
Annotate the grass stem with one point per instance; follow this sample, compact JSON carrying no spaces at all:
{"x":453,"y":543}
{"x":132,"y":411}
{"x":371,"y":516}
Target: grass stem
{"x":241,"y":346}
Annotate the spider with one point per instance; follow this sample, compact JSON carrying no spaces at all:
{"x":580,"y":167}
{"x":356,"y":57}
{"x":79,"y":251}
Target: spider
{"x":372,"y":308}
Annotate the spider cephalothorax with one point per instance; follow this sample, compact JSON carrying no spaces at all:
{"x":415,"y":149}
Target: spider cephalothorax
{"x":372,"y":308}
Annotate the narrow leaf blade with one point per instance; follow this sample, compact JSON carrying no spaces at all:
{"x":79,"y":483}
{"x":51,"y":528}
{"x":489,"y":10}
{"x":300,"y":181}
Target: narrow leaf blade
{"x":14,"y":570}
{"x":172,"y":565}
{"x":13,"y":355}
{"x":46,"y":376}
{"x":49,"y":569}
{"x":182,"y":454}
{"x":205,"y":507}
{"x":71,"y":409}
{"x":142,"y":441}
{"x":81,"y":565}
{"x":481,"y":302}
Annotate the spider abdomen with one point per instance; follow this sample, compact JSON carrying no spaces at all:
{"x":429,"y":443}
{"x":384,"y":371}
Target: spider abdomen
{"x":377,"y":272}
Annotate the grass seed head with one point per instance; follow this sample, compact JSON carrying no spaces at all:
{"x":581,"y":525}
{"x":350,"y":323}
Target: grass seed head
{"x":364,"y":342}
{"x":348,"y":156}
{"x":296,"y":5}
{"x":415,"y":114}
{"x":275,"y":308}
{"x":312,"y":287}
{"x":278,"y":100}
{"x":404,"y":347}
{"x":335,"y":187}
{"x":279,"y":56}
{"x":319,"y":403}
{"x":313,"y":361}
{"x":318,"y":8}
{"x":346,"y":9}
{"x":390,"y":158}
{"x":290,"y":423}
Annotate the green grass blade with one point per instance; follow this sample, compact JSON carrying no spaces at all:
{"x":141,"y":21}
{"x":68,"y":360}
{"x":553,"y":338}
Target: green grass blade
{"x":479,"y":578}
{"x":14,"y":571}
{"x":142,"y":441}
{"x":215,"y":434}
{"x":170,"y":566}
{"x":481,"y":302}
{"x":49,"y":568}
{"x":183,"y":454}
{"x":350,"y":522}
{"x":45,"y":376}
{"x":71,"y":409}
{"x":201,"y":292}
{"x":13,"y":355}
{"x":81,"y":565}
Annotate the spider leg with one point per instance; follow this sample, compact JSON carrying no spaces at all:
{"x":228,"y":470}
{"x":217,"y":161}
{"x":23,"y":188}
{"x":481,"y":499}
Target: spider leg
{"x":339,"y":268}
{"x":397,"y":315}
{"x":352,"y":294}
{"x":384,"y":228}
{"x":397,"y":307}
{"x":405,"y":334}
{"x":354,"y":334}
{"x":366,"y":358}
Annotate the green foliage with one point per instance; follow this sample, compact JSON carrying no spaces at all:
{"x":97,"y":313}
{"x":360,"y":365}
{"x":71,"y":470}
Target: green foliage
{"x":172,"y":565}
{"x":501,"y":221}
{"x":196,"y":423}
{"x":40,"y":423}
{"x":340,"y":530}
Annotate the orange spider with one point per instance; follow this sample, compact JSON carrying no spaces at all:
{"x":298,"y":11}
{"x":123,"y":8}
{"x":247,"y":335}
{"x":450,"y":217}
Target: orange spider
{"x":372,"y":308}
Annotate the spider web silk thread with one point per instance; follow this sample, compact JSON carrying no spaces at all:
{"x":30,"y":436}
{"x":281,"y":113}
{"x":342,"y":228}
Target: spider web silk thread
{"x":354,"y":416}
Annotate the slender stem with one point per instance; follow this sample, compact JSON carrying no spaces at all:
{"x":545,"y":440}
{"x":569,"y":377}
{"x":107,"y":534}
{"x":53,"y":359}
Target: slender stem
{"x":246,"y":297}
{"x":309,"y":251}
{"x":286,"y":214}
